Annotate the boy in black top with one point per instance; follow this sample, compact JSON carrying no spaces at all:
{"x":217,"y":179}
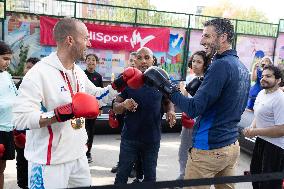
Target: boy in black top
{"x":96,"y":79}
{"x":93,"y":76}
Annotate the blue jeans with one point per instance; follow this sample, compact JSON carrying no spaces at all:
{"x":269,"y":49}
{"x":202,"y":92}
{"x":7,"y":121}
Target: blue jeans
{"x":129,"y":150}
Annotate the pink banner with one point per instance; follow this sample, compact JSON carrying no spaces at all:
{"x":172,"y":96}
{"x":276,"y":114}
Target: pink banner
{"x":279,"y":50}
{"x":114,"y":37}
{"x":252,"y":48}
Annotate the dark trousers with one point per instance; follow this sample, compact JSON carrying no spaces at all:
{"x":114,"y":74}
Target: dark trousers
{"x":22,"y":168}
{"x":7,"y":139}
{"x":129,"y":151}
{"x":267,"y":158}
{"x":90,"y":128}
{"x":139,"y":167}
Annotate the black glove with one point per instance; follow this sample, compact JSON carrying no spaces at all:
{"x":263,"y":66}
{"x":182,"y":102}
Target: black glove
{"x":193,"y":85}
{"x":159,"y":78}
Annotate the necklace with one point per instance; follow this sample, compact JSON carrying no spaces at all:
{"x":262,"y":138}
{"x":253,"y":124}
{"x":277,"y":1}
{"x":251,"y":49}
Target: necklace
{"x":76,"y":123}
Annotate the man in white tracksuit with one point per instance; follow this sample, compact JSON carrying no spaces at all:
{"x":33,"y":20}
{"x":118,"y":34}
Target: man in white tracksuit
{"x":55,"y":146}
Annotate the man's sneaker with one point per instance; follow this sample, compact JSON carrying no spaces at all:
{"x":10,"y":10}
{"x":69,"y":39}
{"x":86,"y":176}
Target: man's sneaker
{"x":132,"y":173}
{"x":137,"y":180}
{"x":89,"y":157}
{"x":180,"y":177}
{"x":114,"y":169}
{"x":247,"y":173}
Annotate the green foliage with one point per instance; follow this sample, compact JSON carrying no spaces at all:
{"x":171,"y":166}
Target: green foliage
{"x":23,"y":58}
{"x":227,"y":9}
{"x":253,"y":28}
{"x":1,"y":9}
{"x":162,"y":18}
{"x":124,"y":14}
{"x":10,"y":5}
{"x":116,"y":14}
{"x":144,"y":4}
{"x":196,"y":21}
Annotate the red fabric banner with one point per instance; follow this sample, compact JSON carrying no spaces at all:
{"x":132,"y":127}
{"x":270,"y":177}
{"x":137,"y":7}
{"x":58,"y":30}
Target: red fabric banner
{"x":114,"y":37}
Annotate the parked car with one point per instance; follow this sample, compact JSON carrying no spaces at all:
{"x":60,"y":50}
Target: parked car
{"x":246,"y":144}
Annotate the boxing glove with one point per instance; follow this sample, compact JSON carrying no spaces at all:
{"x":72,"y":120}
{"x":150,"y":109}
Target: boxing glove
{"x":193,"y":85}
{"x":19,"y":139}
{"x":2,"y":150}
{"x":83,"y":105}
{"x":131,"y":77}
{"x":186,"y":121}
{"x":112,"y":121}
{"x":159,"y":78}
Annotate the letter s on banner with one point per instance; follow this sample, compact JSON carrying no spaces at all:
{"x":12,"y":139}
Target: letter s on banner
{"x":99,"y":36}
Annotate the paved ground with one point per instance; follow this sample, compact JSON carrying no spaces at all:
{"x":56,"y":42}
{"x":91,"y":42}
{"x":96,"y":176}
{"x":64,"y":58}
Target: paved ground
{"x":105,"y":155}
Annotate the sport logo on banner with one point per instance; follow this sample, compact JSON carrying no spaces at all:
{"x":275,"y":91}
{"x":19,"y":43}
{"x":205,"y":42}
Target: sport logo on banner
{"x":134,"y":40}
{"x":114,"y":37}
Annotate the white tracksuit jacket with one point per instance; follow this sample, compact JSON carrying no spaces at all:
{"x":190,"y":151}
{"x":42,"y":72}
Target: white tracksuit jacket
{"x":44,"y":89}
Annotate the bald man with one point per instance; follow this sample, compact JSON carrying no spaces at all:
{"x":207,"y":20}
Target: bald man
{"x":141,"y":133}
{"x":56,"y":137}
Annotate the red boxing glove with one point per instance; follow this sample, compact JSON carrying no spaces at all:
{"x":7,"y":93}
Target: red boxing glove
{"x":131,"y":77}
{"x":186,"y":121}
{"x":19,"y":139}
{"x":112,"y":121}
{"x":2,"y":150}
{"x":83,"y":105}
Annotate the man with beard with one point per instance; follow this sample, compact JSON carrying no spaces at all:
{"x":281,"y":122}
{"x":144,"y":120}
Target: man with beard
{"x":54,"y":98}
{"x":268,"y":126}
{"x":218,"y":103}
{"x":141,"y":133}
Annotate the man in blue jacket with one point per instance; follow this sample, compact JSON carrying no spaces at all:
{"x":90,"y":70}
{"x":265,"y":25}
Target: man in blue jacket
{"x":218,"y":103}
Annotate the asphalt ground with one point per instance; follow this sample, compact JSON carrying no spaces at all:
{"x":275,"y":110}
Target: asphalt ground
{"x":105,"y":155}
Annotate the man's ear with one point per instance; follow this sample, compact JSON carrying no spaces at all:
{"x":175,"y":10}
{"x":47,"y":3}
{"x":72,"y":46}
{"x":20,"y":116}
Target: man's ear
{"x":278,"y":81}
{"x":223,"y":37}
{"x":69,"y":40}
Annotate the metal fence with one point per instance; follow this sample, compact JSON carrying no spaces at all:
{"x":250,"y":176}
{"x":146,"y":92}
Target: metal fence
{"x":103,"y":13}
{"x":129,"y":15}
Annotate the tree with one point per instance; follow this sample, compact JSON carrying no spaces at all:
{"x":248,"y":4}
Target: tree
{"x":23,"y":58}
{"x":150,"y":16}
{"x":145,"y":4}
{"x":226,"y":9}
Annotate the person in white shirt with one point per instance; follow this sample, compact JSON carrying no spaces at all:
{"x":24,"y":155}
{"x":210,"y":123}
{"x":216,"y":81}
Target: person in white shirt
{"x":268,"y":126}
{"x":54,"y":98}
